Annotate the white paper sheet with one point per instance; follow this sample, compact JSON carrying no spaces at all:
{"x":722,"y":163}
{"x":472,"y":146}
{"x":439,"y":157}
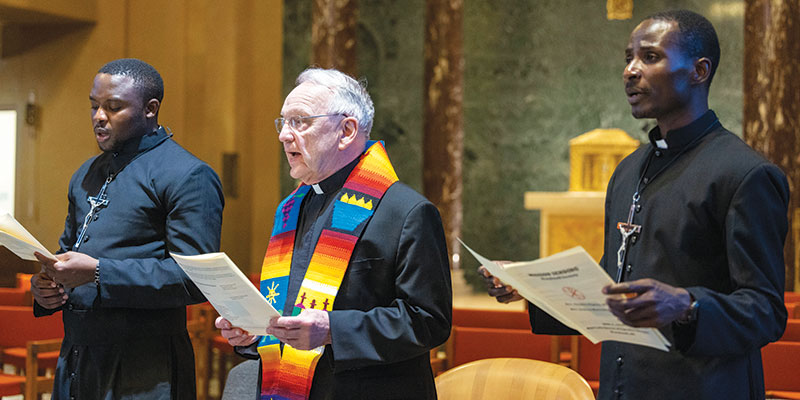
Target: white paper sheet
{"x":17,"y":239}
{"x":568,"y":286}
{"x":229,"y":291}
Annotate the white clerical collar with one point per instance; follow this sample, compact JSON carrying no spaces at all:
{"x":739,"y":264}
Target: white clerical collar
{"x":662,"y":144}
{"x":317,"y":189}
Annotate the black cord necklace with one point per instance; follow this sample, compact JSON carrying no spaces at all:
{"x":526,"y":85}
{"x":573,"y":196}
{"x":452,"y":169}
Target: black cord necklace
{"x":101,"y":200}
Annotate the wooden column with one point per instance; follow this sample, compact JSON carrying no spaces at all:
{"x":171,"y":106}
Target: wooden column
{"x":443,"y":134}
{"x":333,"y":35}
{"x":772,"y":97}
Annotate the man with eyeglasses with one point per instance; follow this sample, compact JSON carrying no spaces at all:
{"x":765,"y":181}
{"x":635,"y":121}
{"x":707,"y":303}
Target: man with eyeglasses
{"x":357,"y":261}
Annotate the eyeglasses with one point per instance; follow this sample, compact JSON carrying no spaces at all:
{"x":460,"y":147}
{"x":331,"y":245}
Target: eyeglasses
{"x":296,"y":123}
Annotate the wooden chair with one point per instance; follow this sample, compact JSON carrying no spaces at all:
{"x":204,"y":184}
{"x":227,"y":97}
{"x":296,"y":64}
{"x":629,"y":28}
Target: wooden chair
{"x":793,"y":309}
{"x":586,"y":361}
{"x":469,"y":344}
{"x":512,"y":379}
{"x":11,"y":385}
{"x":200,"y":325}
{"x":223,"y":359}
{"x":19,"y":295}
{"x":214,"y":357}
{"x":781,"y":361}
{"x":502,"y":319}
{"x":24,"y":281}
{"x":477,"y":318}
{"x":791,"y":297}
{"x":438,"y":364}
{"x":36,"y":384}
{"x":24,"y":327}
{"x":792,"y":332}
{"x":15,"y":297}
{"x":32,"y":384}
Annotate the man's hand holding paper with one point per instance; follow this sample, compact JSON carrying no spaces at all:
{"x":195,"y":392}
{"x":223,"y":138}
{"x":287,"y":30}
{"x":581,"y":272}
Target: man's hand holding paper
{"x":70,"y":269}
{"x":645,"y":303}
{"x":235,"y":336}
{"x":568,"y":286}
{"x":229,"y":291}
{"x":653,"y":304}
{"x":309,"y":330}
{"x":496,"y":288}
{"x":306,"y":331}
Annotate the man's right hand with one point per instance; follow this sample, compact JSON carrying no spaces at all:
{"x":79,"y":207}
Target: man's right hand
{"x":236,"y":336}
{"x":500,"y":291}
{"x":46,"y":292}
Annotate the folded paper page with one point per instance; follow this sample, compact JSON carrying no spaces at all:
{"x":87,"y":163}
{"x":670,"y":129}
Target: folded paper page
{"x":19,"y":241}
{"x":568,"y":286}
{"x":229,"y":291}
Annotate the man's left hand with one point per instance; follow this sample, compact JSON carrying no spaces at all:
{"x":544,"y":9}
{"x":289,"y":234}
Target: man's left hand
{"x":71,"y":269}
{"x":647,"y":302}
{"x":306,"y":331}
{"x":500,"y":291}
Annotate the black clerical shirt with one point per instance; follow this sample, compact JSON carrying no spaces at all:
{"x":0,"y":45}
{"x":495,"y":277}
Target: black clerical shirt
{"x":677,"y":142}
{"x":313,"y":206}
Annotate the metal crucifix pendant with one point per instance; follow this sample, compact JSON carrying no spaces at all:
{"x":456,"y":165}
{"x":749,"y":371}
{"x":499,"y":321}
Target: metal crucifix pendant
{"x":101,"y":200}
{"x":626,"y":229}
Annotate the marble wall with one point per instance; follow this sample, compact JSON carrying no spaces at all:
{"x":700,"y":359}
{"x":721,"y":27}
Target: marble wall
{"x":537,"y":73}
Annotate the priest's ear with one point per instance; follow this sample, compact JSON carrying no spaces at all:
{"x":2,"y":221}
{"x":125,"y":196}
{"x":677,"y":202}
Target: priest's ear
{"x":151,"y":108}
{"x":702,"y":71}
{"x":349,"y":133}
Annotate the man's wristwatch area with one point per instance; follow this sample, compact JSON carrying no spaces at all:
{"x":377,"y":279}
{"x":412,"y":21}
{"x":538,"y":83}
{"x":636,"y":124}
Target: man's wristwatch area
{"x":690,"y":315}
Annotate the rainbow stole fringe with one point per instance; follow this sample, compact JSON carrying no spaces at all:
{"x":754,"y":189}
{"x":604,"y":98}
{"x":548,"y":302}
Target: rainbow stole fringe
{"x":288,"y":376}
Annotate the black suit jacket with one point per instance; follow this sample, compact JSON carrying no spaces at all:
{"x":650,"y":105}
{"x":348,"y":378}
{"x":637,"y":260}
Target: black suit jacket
{"x":393,"y":307}
{"x":135,"y":319}
{"x":714,"y":223}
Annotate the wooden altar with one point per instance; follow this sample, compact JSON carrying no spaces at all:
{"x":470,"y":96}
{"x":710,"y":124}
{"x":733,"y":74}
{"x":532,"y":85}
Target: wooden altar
{"x":575,"y":218}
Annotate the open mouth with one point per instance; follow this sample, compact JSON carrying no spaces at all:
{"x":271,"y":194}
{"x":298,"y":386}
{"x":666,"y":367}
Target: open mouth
{"x":634,"y":96}
{"x":101,"y":134}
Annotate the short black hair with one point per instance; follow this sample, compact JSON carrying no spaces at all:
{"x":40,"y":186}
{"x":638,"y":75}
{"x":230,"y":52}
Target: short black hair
{"x":146,"y":79}
{"x":697,"y":35}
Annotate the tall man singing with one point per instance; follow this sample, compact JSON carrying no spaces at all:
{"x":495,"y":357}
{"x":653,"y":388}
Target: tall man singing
{"x":701,"y":219}
{"x":357,"y":260}
{"x":121,"y":295}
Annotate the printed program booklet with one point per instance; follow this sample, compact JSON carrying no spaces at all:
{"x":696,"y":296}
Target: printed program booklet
{"x":568,"y":286}
{"x":229,"y":291}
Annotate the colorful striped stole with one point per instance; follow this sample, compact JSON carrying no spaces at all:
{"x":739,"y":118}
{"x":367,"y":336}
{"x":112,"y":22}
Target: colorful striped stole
{"x":288,"y":376}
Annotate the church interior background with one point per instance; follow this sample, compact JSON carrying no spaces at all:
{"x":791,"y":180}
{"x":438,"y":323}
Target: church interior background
{"x":536,"y":75}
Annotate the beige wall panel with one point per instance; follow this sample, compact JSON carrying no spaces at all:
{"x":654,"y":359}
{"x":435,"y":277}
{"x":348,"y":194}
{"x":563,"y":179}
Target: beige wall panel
{"x":156,"y":33}
{"x":50,"y":10}
{"x":265,"y":102}
{"x":221,"y":64}
{"x":233,"y":80}
{"x":211,"y":32}
{"x":60,"y":72}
